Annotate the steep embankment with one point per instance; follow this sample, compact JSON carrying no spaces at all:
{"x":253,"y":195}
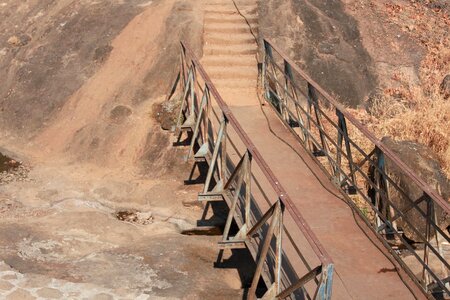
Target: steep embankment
{"x":107,"y":118}
{"x":82,"y":76}
{"x":48,"y":49}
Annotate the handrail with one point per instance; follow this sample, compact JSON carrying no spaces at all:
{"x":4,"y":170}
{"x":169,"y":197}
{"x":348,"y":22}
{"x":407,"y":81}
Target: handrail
{"x":257,"y":157}
{"x":195,"y":116}
{"x":324,"y":125}
{"x":388,"y":153}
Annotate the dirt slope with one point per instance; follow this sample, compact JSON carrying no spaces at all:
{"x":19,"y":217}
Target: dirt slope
{"x":49,"y":48}
{"x":98,"y":205}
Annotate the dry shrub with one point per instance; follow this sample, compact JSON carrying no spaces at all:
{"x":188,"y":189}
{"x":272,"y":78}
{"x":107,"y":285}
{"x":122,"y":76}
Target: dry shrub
{"x":418,"y":113}
{"x":426,"y":121}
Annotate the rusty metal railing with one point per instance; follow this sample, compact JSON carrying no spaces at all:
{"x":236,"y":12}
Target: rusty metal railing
{"x":365,"y":170}
{"x":237,"y":174}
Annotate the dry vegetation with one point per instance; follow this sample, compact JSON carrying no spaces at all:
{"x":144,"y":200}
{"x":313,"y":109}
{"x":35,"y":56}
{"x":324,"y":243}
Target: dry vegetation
{"x":417,"y":112}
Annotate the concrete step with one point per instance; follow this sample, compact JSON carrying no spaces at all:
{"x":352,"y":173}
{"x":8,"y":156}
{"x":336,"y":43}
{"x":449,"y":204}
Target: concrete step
{"x":221,"y":36}
{"x":230,"y":19}
{"x":248,"y":12}
{"x":244,"y":83}
{"x":230,"y":25}
{"x":247,"y":39}
{"x":229,"y":50}
{"x":236,"y":29}
{"x":230,"y":4}
{"x":221,"y":72}
{"x":230,"y":60}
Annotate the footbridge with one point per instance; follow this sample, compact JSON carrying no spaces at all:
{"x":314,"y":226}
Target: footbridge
{"x":310,"y":190}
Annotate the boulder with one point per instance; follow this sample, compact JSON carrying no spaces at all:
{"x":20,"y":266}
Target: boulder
{"x":445,"y":87}
{"x":424,"y":162}
{"x":323,"y":39}
{"x":166,"y":113}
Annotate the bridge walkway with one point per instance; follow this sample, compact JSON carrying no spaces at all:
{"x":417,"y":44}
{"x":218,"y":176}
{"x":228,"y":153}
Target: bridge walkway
{"x":362,"y":269}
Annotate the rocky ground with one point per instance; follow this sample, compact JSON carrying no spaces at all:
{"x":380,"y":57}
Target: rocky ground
{"x":77,"y":231}
{"x":93,"y":203}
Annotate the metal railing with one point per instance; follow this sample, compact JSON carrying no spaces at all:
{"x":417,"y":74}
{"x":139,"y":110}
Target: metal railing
{"x":258,"y":204}
{"x":405,"y":218}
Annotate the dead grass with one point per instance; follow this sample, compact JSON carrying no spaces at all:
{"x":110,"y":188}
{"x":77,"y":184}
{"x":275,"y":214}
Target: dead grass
{"x":417,"y":112}
{"x":426,"y":121}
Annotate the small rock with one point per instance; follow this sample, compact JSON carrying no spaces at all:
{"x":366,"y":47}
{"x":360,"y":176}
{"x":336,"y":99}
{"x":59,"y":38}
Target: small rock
{"x":49,"y":293}
{"x":144,"y":218}
{"x":445,"y":87}
{"x":410,"y":27}
{"x":19,"y":41}
{"x":102,"y":53}
{"x":14,"y":41}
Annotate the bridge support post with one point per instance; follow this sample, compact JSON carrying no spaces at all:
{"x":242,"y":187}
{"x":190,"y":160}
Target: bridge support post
{"x":199,"y":118}
{"x":186,"y":116}
{"x":343,"y":137}
{"x":221,"y":137}
{"x":313,"y":104}
{"x":275,"y":230}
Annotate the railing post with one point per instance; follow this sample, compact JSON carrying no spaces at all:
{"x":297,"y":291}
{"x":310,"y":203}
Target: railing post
{"x":241,"y":176}
{"x":223,"y":156}
{"x":182,"y":115}
{"x":326,"y":283}
{"x":243,"y":172}
{"x":220,"y":136}
{"x":275,"y":219}
{"x":279,"y":105}
{"x":343,"y":137}
{"x":289,"y":81}
{"x":267,"y":56}
{"x":198,"y":122}
{"x":426,"y":250}
{"x":313,"y":101}
{"x":183,"y":65}
{"x":278,"y":250}
{"x":287,"y":72}
{"x":380,"y":166}
{"x":382,"y":185}
{"x":248,"y":190}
